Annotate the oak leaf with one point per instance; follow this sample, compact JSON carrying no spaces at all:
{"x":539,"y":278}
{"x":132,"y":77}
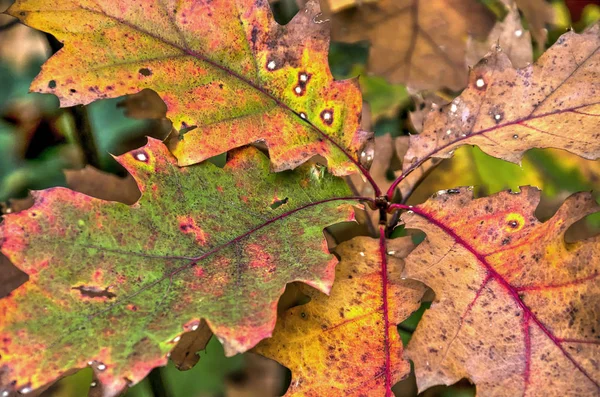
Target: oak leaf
{"x":227,"y":72}
{"x":114,"y":286}
{"x":419,"y":43}
{"x":505,"y":111}
{"x":509,"y":35}
{"x":347,"y":343}
{"x":516,"y":307}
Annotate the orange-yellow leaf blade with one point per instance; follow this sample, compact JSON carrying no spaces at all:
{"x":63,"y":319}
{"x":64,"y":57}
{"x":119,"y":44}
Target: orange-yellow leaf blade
{"x":337,"y":345}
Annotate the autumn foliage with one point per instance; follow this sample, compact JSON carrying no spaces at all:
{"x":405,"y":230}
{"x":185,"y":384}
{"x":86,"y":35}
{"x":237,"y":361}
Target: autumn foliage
{"x":117,"y":287}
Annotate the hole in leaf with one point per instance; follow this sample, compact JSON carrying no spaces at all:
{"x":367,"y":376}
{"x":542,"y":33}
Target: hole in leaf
{"x":278,"y":203}
{"x":94,"y":292}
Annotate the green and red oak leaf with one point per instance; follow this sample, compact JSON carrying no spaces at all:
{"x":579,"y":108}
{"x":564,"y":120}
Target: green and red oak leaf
{"x":517,"y":307}
{"x":505,"y":111}
{"x":347,"y":344}
{"x":227,"y":72}
{"x":114,"y":286}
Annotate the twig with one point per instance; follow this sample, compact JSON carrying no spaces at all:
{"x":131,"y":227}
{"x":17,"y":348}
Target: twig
{"x":85,"y":135}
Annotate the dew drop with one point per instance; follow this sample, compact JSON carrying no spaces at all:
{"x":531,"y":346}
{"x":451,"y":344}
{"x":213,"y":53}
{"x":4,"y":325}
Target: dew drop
{"x":391,"y":252}
{"x":515,"y":136}
{"x":410,"y":212}
{"x":271,"y":65}
{"x":141,"y":157}
{"x":5,"y":394}
{"x":25,"y":390}
{"x":327,"y":116}
{"x":403,"y":278}
{"x":93,"y":384}
{"x":448,"y":132}
{"x":90,"y":363}
{"x":518,"y":33}
{"x":177,"y":339}
{"x":453,"y":108}
{"x":303,"y":115}
{"x":298,"y":90}
{"x":480,"y":83}
{"x":194,"y":327}
{"x":362,"y":254}
{"x":168,"y":354}
{"x":498,"y":117}
{"x":463,"y":135}
{"x":304,"y":77}
{"x":101,"y":367}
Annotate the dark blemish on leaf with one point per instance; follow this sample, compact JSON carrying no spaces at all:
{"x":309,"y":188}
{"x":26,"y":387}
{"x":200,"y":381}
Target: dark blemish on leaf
{"x":94,"y":292}
{"x":278,"y":203}
{"x":254,"y":35}
{"x":52,"y":84}
{"x":327,"y":116}
{"x":145,"y":72}
{"x":22,"y":13}
{"x":303,"y":315}
{"x":453,"y":191}
{"x":221,"y":85}
{"x":72,"y":90}
{"x":513,"y":224}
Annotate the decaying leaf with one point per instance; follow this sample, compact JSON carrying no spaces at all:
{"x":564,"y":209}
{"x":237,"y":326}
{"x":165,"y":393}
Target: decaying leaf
{"x":517,"y":308}
{"x":505,"y":111}
{"x":538,"y":14}
{"x":419,"y":43}
{"x":227,"y":72}
{"x":347,"y":344}
{"x":510,"y":36}
{"x":114,"y":286}
{"x":103,"y":185}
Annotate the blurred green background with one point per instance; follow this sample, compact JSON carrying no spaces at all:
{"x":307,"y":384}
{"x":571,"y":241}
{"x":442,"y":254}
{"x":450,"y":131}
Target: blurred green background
{"x":38,"y":141}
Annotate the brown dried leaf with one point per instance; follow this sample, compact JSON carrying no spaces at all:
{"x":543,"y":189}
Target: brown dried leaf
{"x":538,"y":14}
{"x":184,"y":354}
{"x":505,"y":111}
{"x":517,"y":307}
{"x":419,"y":43}
{"x":510,"y":36}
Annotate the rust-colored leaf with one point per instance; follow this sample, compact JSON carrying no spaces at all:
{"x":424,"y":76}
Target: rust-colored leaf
{"x":114,"y":286}
{"x":517,"y":307}
{"x":347,"y":344}
{"x":419,"y":43}
{"x":227,"y":72}
{"x":505,"y":111}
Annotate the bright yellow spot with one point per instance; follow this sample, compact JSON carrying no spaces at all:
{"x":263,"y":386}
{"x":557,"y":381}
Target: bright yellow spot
{"x":514,"y":222}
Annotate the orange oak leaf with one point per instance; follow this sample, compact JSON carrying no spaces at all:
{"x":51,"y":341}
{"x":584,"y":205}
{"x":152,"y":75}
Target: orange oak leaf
{"x":505,"y":111}
{"x":227,"y":72}
{"x":419,"y":43}
{"x":517,"y":307}
{"x":347,"y":344}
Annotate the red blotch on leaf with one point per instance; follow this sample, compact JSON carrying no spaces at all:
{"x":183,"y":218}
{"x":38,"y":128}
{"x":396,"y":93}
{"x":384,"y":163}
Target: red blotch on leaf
{"x":188,"y":226}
